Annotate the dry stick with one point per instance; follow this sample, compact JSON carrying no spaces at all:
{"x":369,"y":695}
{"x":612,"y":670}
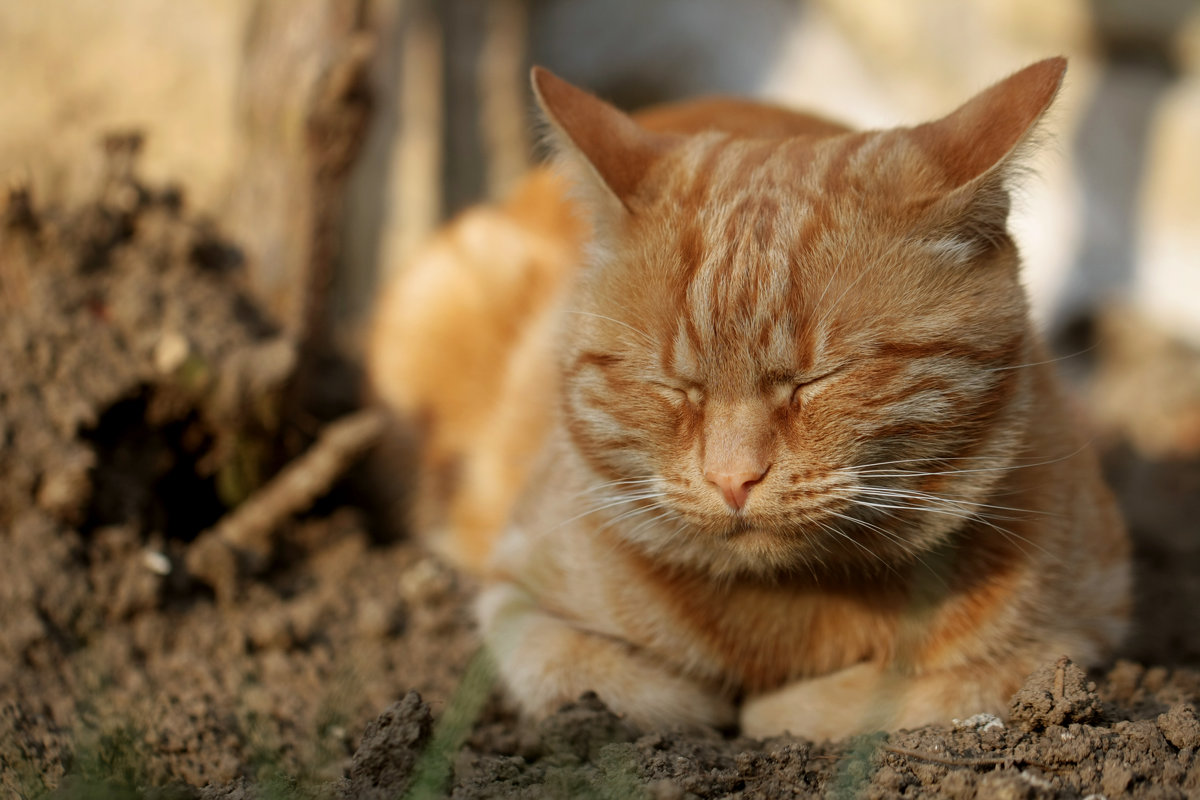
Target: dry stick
{"x":300,"y":483}
{"x":244,"y":535}
{"x":1060,"y":679}
{"x":963,"y":761}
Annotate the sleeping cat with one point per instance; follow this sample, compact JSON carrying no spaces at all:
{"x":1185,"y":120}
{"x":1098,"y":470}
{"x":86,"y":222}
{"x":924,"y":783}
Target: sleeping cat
{"x":740,"y":416}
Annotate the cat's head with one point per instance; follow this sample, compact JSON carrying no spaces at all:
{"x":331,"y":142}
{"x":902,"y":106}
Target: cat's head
{"x":801,"y":347}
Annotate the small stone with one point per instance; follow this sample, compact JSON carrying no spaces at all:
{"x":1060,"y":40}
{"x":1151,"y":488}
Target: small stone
{"x":1004,"y":785}
{"x":1035,"y":781}
{"x":980,"y":723}
{"x":269,"y":630}
{"x":171,"y":352}
{"x":157,"y":562}
{"x":66,"y":487}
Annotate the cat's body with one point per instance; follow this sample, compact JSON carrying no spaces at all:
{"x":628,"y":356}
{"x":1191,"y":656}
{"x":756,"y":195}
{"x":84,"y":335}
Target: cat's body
{"x":770,"y":439}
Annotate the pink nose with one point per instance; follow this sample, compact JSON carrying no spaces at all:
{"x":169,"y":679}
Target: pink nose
{"x":734,"y":486}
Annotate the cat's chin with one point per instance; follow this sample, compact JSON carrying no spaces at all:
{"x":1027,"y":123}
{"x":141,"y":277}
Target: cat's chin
{"x":745,"y":546}
{"x":758,"y":541}
{"x":725,"y":546}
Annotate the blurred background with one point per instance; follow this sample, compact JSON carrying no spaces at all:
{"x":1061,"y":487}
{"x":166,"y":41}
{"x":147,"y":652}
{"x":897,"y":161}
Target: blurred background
{"x":223,"y":89}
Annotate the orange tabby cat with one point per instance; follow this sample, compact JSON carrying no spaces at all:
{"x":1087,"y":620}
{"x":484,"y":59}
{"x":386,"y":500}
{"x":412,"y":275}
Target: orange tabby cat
{"x":764,"y":435}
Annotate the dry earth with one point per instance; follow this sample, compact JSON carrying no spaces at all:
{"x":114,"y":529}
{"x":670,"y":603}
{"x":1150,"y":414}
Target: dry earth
{"x":142,"y":395}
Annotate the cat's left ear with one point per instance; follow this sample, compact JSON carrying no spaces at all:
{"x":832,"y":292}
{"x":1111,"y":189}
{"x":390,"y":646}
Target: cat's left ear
{"x":617,"y":151}
{"x":979,"y":145}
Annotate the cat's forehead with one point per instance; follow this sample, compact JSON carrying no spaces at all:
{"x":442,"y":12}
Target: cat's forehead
{"x":752,"y":211}
{"x":714,"y":170}
{"x":747,"y":216}
{"x":763,"y":236}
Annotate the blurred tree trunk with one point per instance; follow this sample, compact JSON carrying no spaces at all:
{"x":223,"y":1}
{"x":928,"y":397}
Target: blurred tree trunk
{"x":462,"y":23}
{"x":304,"y":103}
{"x":302,"y":106}
{"x":327,"y":204}
{"x":485,"y":98}
{"x":395,"y":193}
{"x":449,"y":130}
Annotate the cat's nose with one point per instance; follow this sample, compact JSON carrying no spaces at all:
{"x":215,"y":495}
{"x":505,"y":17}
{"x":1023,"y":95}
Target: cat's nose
{"x":735,"y":486}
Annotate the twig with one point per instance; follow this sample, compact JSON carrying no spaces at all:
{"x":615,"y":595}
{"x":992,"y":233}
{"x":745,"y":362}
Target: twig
{"x":963,"y":761}
{"x":301,"y":482}
{"x":1060,"y":679}
{"x":243,"y":536}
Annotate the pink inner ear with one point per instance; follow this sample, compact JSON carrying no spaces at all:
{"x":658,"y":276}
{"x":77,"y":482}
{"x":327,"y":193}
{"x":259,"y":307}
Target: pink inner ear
{"x":620,"y":150}
{"x":985,"y":130}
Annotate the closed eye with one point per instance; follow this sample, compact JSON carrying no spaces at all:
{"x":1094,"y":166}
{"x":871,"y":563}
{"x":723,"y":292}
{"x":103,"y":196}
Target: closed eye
{"x":690,"y":393}
{"x":803,"y":387}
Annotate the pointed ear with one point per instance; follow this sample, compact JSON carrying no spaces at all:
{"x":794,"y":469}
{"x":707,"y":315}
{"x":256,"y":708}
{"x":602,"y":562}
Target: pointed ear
{"x":618,"y":150}
{"x":978,"y":146}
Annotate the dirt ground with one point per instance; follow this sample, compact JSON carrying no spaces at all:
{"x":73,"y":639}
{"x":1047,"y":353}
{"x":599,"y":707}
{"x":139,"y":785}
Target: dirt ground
{"x":314,"y":655}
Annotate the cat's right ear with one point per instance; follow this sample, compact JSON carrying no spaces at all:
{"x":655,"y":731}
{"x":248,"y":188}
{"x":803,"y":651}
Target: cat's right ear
{"x":980,"y":145}
{"x":617,"y":151}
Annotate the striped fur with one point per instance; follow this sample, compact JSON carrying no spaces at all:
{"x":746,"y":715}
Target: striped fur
{"x":775,"y":442}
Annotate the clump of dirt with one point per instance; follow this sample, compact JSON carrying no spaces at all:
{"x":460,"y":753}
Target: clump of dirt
{"x":1180,"y":726}
{"x":389,"y":751}
{"x":145,"y":418}
{"x":1056,"y":694}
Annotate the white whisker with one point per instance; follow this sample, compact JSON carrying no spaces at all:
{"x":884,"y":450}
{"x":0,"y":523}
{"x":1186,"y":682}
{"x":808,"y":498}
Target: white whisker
{"x":913,"y":494}
{"x":1006,"y":468}
{"x":617,"y":484}
{"x":1076,"y":354}
{"x":955,"y":511}
{"x":645,"y":336}
{"x":659,"y":517}
{"x":924,"y":458}
{"x":630,"y":498}
{"x":865,"y":524}
{"x":629,"y":515}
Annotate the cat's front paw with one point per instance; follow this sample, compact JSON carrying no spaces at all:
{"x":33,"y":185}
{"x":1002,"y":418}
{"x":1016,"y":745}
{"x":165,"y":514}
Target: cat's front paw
{"x":854,"y":700}
{"x":545,"y":662}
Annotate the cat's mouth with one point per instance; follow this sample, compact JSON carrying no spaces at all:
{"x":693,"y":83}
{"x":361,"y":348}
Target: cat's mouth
{"x":760,"y":547}
{"x":741,"y":528}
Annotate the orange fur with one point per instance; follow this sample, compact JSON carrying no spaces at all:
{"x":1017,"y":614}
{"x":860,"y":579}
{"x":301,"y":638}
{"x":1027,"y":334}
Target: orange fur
{"x":764,"y":434}
{"x":454,"y":341}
